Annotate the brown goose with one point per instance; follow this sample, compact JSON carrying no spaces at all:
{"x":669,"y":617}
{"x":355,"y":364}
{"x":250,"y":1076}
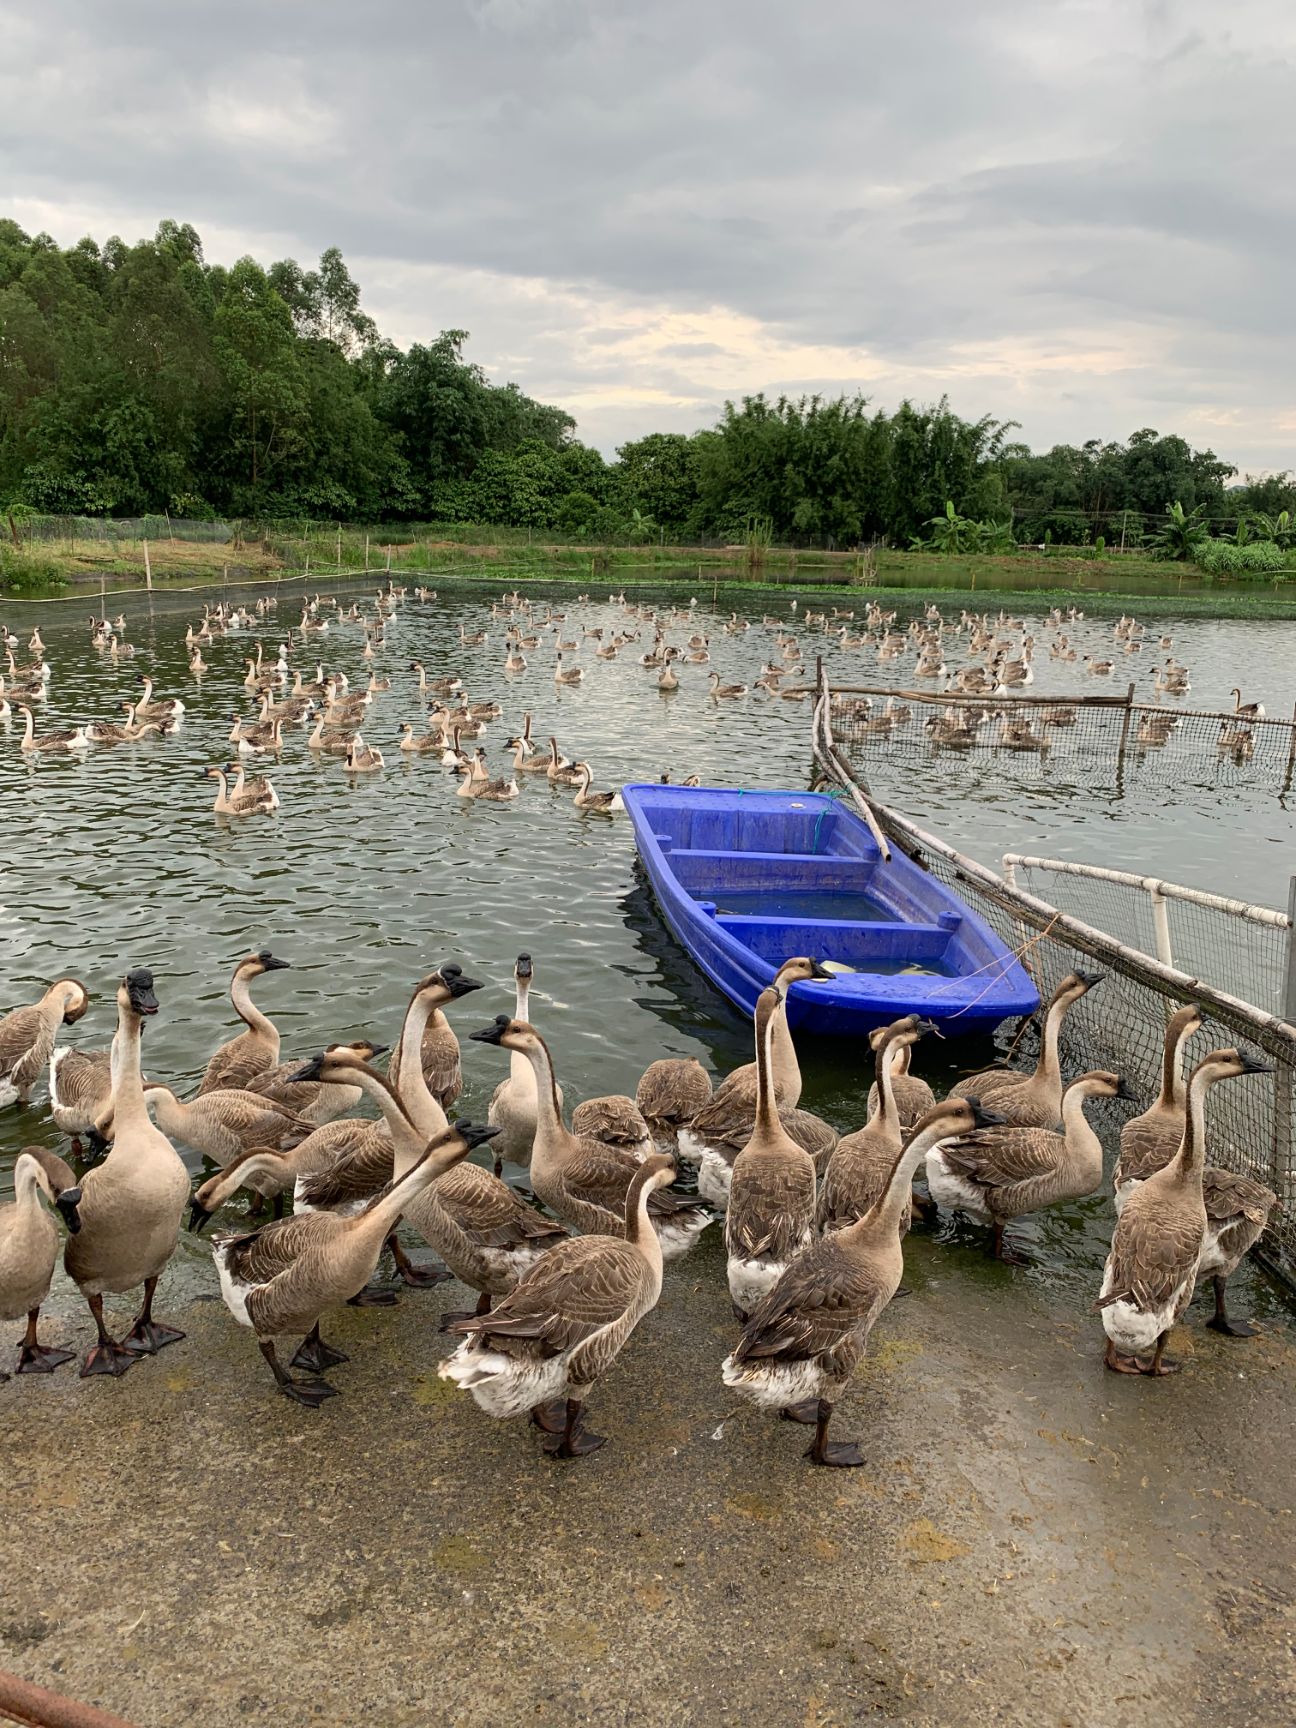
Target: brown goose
{"x":561,"y":1330}
{"x":80,"y":1089}
{"x":581,"y":1180}
{"x":513,"y":1102}
{"x":132,"y":1204}
{"x":913,"y":1096}
{"x":1157,"y":1247}
{"x":29,"y":1244}
{"x":860,"y":1166}
{"x":222,"y":1124}
{"x":670,"y":1093}
{"x":316,"y":1104}
{"x":256,"y":1049}
{"x":1033,"y":1100}
{"x":1003,"y":1173}
{"x":771,"y":1213}
{"x":615,"y":1120}
{"x":284,"y":1277}
{"x":27,"y":1037}
{"x":801,"y":1345}
{"x":442,"y":1068}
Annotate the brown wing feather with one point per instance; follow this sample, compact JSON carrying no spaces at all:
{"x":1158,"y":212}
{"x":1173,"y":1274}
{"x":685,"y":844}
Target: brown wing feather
{"x":579,"y":1287}
{"x":487,"y":1210}
{"x":1153,"y":1251}
{"x":1002,"y":1157}
{"x":235,"y":1064}
{"x":358,"y":1174}
{"x":441,"y":1064}
{"x":1228,"y":1195}
{"x":822,"y":1306}
{"x":25,"y":1044}
{"x":265,"y":1253}
{"x":771,"y":1206}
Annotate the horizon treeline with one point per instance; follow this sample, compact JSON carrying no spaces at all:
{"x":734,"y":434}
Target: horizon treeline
{"x":137,"y":379}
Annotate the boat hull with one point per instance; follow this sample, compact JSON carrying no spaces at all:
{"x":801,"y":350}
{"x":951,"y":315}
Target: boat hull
{"x":744,"y":880}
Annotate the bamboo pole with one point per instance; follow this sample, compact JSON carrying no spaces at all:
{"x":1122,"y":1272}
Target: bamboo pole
{"x":148,"y":569}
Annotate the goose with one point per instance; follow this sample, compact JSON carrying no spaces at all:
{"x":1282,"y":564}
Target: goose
{"x":132,"y":1204}
{"x":801,"y":1345}
{"x":29,"y":1245}
{"x":771,"y":1212}
{"x":1003,"y":1173}
{"x":170,"y":708}
{"x":514,"y":659}
{"x":513,"y":1103}
{"x":481,"y":787}
{"x":221,"y":1124}
{"x":1157,"y":1246}
{"x":1236,"y":741}
{"x":475,"y":640}
{"x":336,"y":745}
{"x":255,"y":1049}
{"x":561,"y":772}
{"x":524,"y":763}
{"x":80,"y":1090}
{"x":567,"y":674}
{"x":246,"y":803}
{"x":615,"y":1120}
{"x":913,"y":1096}
{"x":668,"y":678}
{"x":487,"y":1236}
{"x":104,"y":732}
{"x":594,"y":803}
{"x":440,"y":1053}
{"x":360,"y":759}
{"x":560,"y":1331}
{"x":313,"y":1104}
{"x":28,"y":1036}
{"x":1033,"y":1100}
{"x":579,"y":1179}
{"x":861,"y":1162}
{"x":197,"y":665}
{"x":284,"y":1277}
{"x":62,"y":743}
{"x":1246,"y":710}
{"x":670,"y":1093}
{"x":725,"y":692}
{"x":259,"y":787}
{"x":1099,"y":668}
{"x":1148,"y":1142}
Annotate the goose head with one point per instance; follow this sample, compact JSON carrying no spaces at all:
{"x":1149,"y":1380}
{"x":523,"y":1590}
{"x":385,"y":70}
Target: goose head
{"x":447,"y":984}
{"x":337,"y":1065}
{"x":265,"y":961}
{"x":509,"y":1034}
{"x":74,"y":996}
{"x":801,"y":969}
{"x":135,"y":994}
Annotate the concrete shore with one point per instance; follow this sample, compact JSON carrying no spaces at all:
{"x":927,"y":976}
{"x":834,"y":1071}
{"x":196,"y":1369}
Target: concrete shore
{"x":1032,"y":1541}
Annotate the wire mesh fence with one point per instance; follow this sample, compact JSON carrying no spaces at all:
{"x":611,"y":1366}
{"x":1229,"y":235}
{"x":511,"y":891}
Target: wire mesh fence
{"x":1090,"y":740}
{"x":1122,"y":1025}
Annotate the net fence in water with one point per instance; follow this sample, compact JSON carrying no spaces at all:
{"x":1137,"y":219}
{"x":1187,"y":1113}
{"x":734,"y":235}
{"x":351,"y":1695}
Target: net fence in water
{"x":1089,"y":740}
{"x":1233,"y":965}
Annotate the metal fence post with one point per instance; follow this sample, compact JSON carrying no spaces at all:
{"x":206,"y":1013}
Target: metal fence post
{"x":1124,"y":737}
{"x":1161,"y":924}
{"x":1284,"y":1073}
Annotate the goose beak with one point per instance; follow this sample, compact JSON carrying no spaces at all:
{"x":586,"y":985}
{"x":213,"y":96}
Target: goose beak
{"x":1253,"y":1064}
{"x":67,"y":1203}
{"x":493,"y":1033}
{"x":1089,"y":979}
{"x":139,"y":987}
{"x":1124,"y":1091}
{"x":310,"y":1072}
{"x":818,"y":973}
{"x":199,"y":1217}
{"x":270,"y":964}
{"x":377,"y":1050}
{"x":523,"y":967}
{"x":459,"y":985}
{"x":476,"y":1133}
{"x":926,"y":1026}
{"x":982,"y":1117}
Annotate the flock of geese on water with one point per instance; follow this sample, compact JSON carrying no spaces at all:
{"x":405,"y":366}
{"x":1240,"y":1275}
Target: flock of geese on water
{"x":999,"y":661}
{"x":814,"y":1222}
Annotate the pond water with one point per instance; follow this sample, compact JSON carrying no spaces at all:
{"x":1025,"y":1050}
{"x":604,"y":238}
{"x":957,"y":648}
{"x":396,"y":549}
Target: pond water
{"x":118,"y":860}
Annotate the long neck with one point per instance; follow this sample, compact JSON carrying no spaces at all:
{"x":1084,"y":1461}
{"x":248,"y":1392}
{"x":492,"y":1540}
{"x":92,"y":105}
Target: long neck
{"x":1173,"y":1092}
{"x":884,"y":1215}
{"x":128,"y":1086}
{"x":27,"y":1185}
{"x":549,"y":1122}
{"x":1188,"y":1160}
{"x":261,"y":1162}
{"x":169,"y":1112}
{"x":244,"y":1007}
{"x":1082,"y":1144}
{"x":406,"y":1137}
{"x":521,"y":1072}
{"x":784,"y":1065}
{"x":639,"y":1232}
{"x":423,"y":1109}
{"x":884,"y":1119}
{"x":30,"y":726}
{"x":1049,"y":1067}
{"x":767,"y":1119}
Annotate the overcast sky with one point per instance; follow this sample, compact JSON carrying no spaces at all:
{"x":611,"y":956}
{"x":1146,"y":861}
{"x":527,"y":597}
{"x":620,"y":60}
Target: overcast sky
{"x":1072,"y":213}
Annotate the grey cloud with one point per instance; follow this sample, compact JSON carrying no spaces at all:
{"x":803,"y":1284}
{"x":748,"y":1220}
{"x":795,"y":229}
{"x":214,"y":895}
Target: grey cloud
{"x":915,"y":185}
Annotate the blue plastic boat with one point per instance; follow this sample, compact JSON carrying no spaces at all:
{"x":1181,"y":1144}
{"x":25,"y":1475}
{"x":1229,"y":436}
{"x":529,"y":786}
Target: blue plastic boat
{"x":746,"y":879}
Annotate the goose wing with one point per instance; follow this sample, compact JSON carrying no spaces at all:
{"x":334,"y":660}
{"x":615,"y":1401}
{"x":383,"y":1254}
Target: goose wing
{"x":673,"y":1090}
{"x":25,"y":1044}
{"x":359,"y":1172}
{"x":235,"y":1064}
{"x":1003,"y":1157}
{"x":1153,"y":1251}
{"x":487,"y":1210}
{"x":263,"y":1254}
{"x":248,"y":1114}
{"x":820,"y":1307}
{"x":1230,"y":1196}
{"x":770,"y":1208}
{"x":581,"y":1287}
{"x":616,"y":1120}
{"x":441,"y":1064}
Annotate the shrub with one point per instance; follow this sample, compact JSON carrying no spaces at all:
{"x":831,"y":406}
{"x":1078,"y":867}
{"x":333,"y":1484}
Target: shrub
{"x":1254,"y":558}
{"x":28,"y":572}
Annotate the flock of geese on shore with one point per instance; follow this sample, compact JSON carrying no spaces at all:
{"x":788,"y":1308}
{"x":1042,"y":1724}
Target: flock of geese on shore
{"x":814,"y":1222}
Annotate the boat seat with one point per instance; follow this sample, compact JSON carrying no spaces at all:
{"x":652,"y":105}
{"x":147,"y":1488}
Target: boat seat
{"x":697,"y":868}
{"x":854,"y":943}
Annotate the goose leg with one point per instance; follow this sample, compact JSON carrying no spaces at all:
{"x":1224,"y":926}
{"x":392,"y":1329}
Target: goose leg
{"x":32,"y":1359}
{"x":574,"y":1441}
{"x":417,"y":1277}
{"x":452,"y":1316}
{"x":806,"y":1412}
{"x":315,"y":1354}
{"x":1001,"y":1250}
{"x":842,"y":1454}
{"x":373,"y":1296}
{"x":1160,"y":1364}
{"x":311,"y":1393}
{"x":147,"y":1336}
{"x":1119,"y":1364}
{"x":1219,"y":1320}
{"x":105,"y":1355}
{"x":279,"y":1204}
